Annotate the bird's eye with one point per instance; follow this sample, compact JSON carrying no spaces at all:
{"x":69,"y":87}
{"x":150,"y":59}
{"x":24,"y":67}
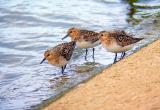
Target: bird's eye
{"x":71,"y":31}
{"x":48,"y":55}
{"x":101,"y":35}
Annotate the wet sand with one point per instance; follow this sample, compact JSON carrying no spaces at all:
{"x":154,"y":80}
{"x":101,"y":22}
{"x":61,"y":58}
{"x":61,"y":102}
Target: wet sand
{"x":131,"y":84}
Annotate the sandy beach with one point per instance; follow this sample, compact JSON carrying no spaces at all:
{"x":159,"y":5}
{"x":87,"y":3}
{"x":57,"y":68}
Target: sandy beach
{"x":131,"y":84}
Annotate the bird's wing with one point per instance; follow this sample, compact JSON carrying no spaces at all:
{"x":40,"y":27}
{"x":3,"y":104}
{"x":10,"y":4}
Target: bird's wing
{"x":89,"y":35}
{"x":66,"y":50}
{"x":125,"y":39}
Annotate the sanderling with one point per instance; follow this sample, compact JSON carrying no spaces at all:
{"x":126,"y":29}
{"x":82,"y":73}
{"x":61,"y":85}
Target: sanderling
{"x":60,"y":55}
{"x":84,"y":39}
{"x":117,"y":41}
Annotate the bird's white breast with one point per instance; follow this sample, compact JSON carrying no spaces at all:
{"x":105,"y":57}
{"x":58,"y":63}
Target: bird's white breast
{"x":115,"y":48}
{"x":87,"y":44}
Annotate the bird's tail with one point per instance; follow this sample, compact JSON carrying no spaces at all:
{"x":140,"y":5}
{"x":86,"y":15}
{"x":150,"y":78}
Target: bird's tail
{"x":138,"y":39}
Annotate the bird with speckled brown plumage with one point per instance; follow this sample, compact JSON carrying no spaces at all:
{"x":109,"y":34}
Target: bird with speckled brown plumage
{"x":60,"y":55}
{"x":117,"y":41}
{"x":84,"y":39}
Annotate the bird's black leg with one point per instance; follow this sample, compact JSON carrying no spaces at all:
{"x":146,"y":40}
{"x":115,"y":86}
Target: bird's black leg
{"x":93,"y":53}
{"x":86,"y":54}
{"x":115,"y":58}
{"x":123,"y":54}
{"x":63,"y":68}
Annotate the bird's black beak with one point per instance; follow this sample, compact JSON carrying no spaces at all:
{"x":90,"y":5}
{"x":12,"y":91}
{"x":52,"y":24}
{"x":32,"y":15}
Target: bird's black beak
{"x":65,"y":36}
{"x":43,"y":60}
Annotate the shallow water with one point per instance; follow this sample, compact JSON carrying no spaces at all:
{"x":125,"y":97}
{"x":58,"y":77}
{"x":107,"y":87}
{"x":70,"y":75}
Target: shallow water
{"x":28,"y":28}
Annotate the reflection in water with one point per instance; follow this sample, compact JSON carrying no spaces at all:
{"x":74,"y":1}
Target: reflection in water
{"x":58,"y":82}
{"x":131,"y":12}
{"x":140,"y":9}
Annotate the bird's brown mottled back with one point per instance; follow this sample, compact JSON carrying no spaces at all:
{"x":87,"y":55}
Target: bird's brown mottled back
{"x":64,"y":49}
{"x":88,"y":35}
{"x":123,"y":38}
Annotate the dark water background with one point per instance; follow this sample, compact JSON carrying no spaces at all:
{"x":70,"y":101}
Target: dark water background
{"x":29,"y":27}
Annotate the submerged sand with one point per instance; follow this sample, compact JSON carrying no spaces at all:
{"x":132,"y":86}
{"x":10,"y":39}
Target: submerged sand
{"x":131,"y":84}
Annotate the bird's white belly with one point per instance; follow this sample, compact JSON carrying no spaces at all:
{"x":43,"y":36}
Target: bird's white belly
{"x":115,"y":48}
{"x":85,"y":44}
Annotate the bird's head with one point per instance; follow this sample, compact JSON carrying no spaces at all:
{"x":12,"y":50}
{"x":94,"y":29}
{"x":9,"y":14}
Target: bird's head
{"x":73,"y":33}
